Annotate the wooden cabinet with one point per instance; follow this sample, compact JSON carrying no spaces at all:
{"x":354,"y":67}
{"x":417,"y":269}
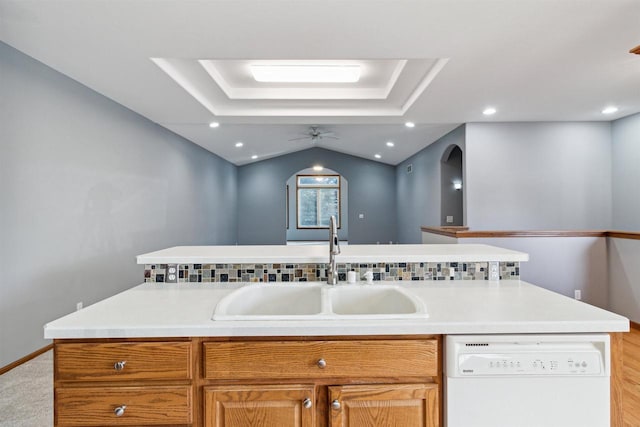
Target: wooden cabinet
{"x":391,"y":405}
{"x":264,"y":406}
{"x":123,"y":383}
{"x":123,"y":361}
{"x":358,"y":383}
{"x":131,"y":406}
{"x":261,"y":382}
{"x":320,"y":359}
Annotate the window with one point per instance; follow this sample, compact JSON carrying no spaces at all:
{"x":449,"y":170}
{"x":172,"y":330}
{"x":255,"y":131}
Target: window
{"x":318,"y":197}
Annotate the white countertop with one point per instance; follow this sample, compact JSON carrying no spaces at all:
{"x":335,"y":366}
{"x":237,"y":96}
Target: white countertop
{"x":318,"y":254}
{"x":455,"y":307}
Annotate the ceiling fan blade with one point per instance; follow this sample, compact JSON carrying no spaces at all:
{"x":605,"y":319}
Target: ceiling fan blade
{"x":330,"y":137}
{"x":298,"y":139}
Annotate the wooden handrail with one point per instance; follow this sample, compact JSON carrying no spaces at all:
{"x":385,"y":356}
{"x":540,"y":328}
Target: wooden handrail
{"x":634,"y":235}
{"x":464,"y":232}
{"x":635,"y":50}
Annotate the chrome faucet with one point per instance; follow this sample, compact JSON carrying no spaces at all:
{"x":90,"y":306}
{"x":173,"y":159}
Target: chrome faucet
{"x":334,"y":249}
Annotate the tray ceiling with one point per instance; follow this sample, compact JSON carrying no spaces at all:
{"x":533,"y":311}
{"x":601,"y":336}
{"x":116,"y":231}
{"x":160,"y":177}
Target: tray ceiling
{"x":433,"y":62}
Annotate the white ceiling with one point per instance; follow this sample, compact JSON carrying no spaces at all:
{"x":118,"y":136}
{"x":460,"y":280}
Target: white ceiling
{"x":533,"y":60}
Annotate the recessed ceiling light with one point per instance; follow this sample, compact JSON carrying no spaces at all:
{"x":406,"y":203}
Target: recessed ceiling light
{"x":377,"y":156}
{"x":214,"y":124}
{"x":390,"y":144}
{"x":255,"y":156}
{"x":306,"y":73}
{"x":610,"y":110}
{"x":410,"y":124}
{"x":489,"y":111}
{"x":239,"y":144}
{"x":317,"y":168}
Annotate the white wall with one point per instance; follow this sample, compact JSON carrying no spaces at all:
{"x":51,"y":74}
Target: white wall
{"x":626,"y":173}
{"x":624,"y":277}
{"x":561,"y":264}
{"x":85,"y":186}
{"x":523,"y":176}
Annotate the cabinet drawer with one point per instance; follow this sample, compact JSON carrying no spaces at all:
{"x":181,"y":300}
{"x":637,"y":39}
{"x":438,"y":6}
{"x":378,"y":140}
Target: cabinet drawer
{"x":97,"y":406}
{"x":320,"y":359}
{"x":142,"y":361}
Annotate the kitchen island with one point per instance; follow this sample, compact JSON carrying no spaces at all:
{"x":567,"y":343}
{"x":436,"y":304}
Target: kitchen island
{"x":152,"y":355}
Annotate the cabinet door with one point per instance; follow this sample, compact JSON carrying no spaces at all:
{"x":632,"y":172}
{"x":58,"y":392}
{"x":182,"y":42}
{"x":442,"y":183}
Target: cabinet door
{"x":260,"y":406}
{"x":391,"y":405}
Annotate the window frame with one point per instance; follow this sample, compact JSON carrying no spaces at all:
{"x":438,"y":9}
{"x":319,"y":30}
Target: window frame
{"x":319,"y":186}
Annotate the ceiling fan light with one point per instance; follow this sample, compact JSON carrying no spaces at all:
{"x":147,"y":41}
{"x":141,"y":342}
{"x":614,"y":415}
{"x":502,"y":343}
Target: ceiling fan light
{"x":306,"y":73}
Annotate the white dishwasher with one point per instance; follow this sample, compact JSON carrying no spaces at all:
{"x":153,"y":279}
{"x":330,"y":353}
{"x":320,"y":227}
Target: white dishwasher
{"x":527,"y":380}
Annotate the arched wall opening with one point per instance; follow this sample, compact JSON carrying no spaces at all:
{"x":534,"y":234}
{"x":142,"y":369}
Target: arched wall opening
{"x":451,"y":187}
{"x":295,"y":234}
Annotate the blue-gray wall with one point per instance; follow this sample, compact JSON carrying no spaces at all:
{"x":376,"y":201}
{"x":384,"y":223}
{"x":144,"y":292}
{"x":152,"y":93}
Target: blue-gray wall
{"x":261,"y":196}
{"x":543,"y":175}
{"x":85,"y":186}
{"x":626,"y":173}
{"x":418,"y":192}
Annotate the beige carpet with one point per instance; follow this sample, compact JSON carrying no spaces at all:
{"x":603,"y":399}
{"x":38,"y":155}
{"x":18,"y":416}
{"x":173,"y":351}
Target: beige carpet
{"x":26,"y":394}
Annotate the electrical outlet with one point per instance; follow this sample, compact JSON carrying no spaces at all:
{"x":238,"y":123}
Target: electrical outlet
{"x":449,"y":219}
{"x":577,"y":294}
{"x":494,"y":271}
{"x":172,"y":273}
{"x":79,"y":306}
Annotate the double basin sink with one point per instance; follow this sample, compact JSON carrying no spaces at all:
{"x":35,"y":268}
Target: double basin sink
{"x":319,"y":302}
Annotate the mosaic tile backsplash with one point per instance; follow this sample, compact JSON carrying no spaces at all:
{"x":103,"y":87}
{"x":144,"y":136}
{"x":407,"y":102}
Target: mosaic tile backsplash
{"x":227,"y":273}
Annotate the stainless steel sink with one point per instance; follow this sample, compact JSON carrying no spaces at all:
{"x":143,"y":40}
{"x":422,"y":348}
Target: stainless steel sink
{"x":319,"y":302}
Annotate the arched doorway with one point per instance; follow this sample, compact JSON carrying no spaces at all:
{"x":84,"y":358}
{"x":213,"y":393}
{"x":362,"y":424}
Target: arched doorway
{"x":451,"y":187}
{"x":302,"y":192}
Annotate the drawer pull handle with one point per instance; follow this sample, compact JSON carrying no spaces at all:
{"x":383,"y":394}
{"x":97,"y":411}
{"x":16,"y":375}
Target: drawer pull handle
{"x":119,"y":366}
{"x":321,"y":363}
{"x":335,"y":405}
{"x":307,"y":403}
{"x":119,"y":411}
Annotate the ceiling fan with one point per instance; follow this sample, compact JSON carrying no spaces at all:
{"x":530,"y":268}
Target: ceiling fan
{"x":315,"y":134}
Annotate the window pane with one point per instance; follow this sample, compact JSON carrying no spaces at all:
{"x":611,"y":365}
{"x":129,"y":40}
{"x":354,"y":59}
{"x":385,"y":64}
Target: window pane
{"x":328,"y":205}
{"x":307,"y":207}
{"x":318,"y":180}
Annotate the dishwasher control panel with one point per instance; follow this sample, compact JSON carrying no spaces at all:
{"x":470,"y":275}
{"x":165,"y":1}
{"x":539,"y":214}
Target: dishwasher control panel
{"x":554,"y":363}
{"x":527,"y":355}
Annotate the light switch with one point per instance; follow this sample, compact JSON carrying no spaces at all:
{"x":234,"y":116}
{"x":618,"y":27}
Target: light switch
{"x":361,"y":216}
{"x":449,"y":219}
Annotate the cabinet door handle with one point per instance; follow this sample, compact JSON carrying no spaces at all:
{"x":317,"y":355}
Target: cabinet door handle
{"x":119,"y":411}
{"x":321,"y":363}
{"x":307,"y":403}
{"x":119,"y":366}
{"x":335,"y":405}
